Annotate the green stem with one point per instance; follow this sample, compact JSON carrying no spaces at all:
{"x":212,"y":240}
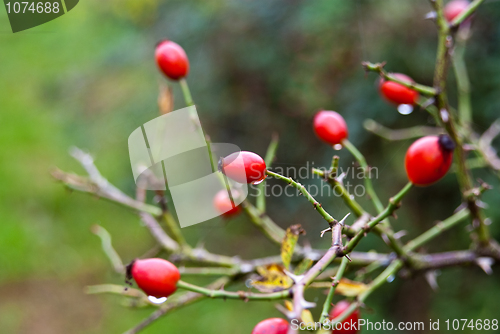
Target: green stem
{"x":233,"y":295}
{"x":186,"y":92}
{"x":463,"y":174}
{"x":463,"y":83}
{"x":391,"y":270}
{"x":466,"y":13}
{"x":401,"y":134}
{"x":368,"y":182}
{"x":264,"y":223}
{"x":359,"y":211}
{"x":442,"y":55}
{"x":306,"y":194}
{"x":270,"y":154}
{"x":325,"y":314}
{"x":393,"y":205}
{"x":385,"y":227}
{"x":437,"y":230}
{"x":337,"y":186}
{"x":175,"y":230}
{"x":208,"y":271}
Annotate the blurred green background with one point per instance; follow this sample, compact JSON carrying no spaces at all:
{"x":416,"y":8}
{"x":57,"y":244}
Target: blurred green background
{"x":88,"y":79}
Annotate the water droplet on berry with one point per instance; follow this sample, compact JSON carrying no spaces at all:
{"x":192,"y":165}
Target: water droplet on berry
{"x":155,"y":300}
{"x":405,"y":109}
{"x":259,"y":181}
{"x":391,"y":278}
{"x":337,"y":147}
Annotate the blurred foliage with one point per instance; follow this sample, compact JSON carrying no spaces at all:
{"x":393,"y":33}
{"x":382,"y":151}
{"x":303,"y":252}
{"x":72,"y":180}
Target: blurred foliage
{"x":88,"y":79}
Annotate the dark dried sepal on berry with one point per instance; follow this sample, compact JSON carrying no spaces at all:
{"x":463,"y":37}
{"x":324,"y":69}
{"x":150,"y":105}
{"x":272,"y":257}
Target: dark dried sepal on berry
{"x":128,"y":273}
{"x":446,"y":143}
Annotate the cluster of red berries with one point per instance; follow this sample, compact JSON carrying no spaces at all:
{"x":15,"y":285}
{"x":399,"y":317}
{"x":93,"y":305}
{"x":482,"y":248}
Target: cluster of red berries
{"x":427,"y":160}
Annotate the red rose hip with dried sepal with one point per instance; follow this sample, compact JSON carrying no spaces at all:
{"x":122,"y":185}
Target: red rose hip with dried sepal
{"x":330,"y":127}
{"x":271,"y":326}
{"x":224,"y":205}
{"x":348,"y":325}
{"x":172,"y":60}
{"x":397,"y":93}
{"x":156,"y":277}
{"x":243,"y":167}
{"x":428,"y":159}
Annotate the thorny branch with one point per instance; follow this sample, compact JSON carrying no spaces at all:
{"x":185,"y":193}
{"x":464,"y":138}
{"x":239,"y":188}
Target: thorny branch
{"x":407,"y":259}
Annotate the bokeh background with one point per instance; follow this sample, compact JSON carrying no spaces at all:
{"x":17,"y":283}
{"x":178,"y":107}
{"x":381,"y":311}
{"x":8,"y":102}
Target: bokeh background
{"x":88,"y":79}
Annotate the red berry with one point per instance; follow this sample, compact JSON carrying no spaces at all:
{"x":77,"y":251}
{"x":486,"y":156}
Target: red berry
{"x":454,"y":8}
{"x":330,"y":127}
{"x":223,"y":204}
{"x":243,"y":167}
{"x":172,"y":60}
{"x":350,"y":324}
{"x":428,"y":159}
{"x":397,"y":93}
{"x":271,"y":326}
{"x":156,"y":277}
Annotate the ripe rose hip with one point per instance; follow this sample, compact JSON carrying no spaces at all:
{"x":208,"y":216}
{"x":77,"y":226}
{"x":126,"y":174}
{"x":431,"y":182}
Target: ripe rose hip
{"x":223,"y":204}
{"x":243,"y":167}
{"x":346,"y":328}
{"x":156,"y":277}
{"x":397,"y":93}
{"x":454,"y":8}
{"x":330,"y":127}
{"x":172,"y":60}
{"x":428,"y":159}
{"x":271,"y":326}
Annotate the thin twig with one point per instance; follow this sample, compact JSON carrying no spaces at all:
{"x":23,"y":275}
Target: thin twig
{"x":108,"y":249}
{"x":246,"y":296}
{"x":328,"y":302}
{"x":400,"y":134}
